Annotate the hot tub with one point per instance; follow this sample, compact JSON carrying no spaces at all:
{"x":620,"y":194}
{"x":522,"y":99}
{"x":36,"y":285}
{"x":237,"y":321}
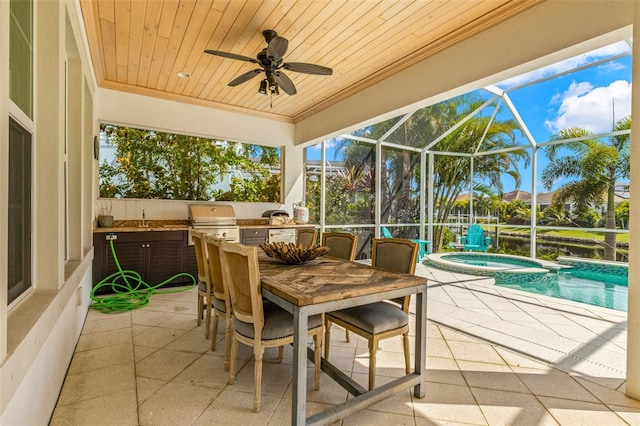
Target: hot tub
{"x":504,"y":268}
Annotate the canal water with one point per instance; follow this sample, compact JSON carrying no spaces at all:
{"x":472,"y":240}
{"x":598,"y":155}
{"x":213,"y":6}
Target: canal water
{"x":544,"y":247}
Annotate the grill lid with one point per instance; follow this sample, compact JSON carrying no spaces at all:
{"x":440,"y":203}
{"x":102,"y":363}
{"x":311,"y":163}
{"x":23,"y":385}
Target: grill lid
{"x":212,"y":214}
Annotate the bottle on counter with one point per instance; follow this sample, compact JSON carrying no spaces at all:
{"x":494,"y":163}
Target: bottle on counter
{"x":300,"y":213}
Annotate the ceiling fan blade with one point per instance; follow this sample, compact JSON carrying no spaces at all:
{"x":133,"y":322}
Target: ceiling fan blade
{"x":285,"y":83}
{"x":244,"y":77}
{"x":277,"y":47}
{"x":231,"y":55}
{"x":307,"y":68}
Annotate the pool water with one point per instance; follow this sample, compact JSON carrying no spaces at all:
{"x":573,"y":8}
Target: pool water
{"x":597,"y":283}
{"x":608,"y":292}
{"x":490,"y":261}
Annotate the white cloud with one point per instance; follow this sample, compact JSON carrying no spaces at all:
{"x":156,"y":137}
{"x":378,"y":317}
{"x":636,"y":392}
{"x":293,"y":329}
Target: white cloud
{"x":567,"y":64}
{"x":591,"y":108}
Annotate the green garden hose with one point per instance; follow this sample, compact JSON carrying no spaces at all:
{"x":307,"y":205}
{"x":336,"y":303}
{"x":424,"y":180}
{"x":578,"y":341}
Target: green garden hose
{"x":130,"y":290}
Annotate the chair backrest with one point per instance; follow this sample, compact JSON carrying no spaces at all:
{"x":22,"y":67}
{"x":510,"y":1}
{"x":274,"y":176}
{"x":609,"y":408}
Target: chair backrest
{"x":307,"y":237}
{"x":397,"y":255}
{"x":242,"y":278}
{"x":475,"y":235}
{"x":201,"y":256}
{"x":341,"y":244}
{"x":212,"y":245}
{"x":394,"y":254}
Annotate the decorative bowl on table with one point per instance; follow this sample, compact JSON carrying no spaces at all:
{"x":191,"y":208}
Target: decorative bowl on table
{"x":291,"y":253}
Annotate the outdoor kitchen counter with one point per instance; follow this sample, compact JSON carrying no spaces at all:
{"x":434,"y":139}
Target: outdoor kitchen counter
{"x":183,"y":225}
{"x":153,"y":225}
{"x":278,"y":226}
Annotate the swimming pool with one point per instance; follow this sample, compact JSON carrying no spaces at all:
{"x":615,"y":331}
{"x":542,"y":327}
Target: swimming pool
{"x":597,"y":283}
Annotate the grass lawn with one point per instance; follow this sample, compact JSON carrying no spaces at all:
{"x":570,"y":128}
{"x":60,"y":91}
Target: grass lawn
{"x":573,"y":233}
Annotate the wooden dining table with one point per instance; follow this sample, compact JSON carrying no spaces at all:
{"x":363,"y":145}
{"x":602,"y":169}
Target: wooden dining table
{"x":327,"y":284}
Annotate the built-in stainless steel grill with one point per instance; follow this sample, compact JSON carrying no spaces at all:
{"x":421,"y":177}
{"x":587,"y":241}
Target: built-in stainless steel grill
{"x":218,"y":220}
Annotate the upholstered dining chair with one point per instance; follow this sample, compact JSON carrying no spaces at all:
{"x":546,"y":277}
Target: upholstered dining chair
{"x":220,"y":299}
{"x":256,"y":323}
{"x":307,"y":237}
{"x":341,"y":244}
{"x":204,"y":280}
{"x":380,"y":320}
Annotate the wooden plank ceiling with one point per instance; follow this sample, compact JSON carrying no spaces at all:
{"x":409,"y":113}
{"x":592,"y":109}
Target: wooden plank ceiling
{"x":140,"y":46}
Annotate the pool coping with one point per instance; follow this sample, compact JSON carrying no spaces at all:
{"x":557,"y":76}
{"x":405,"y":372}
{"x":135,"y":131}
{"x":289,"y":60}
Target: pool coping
{"x":544,"y":266}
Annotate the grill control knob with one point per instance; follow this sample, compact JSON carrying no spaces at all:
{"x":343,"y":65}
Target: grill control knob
{"x":224,"y":235}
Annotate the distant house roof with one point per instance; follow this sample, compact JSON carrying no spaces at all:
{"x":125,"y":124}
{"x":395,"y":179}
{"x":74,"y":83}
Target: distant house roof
{"x":545,"y":197}
{"x":516,"y":195}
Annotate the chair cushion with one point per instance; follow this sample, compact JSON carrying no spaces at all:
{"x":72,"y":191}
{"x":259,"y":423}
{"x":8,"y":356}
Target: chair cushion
{"x":218,"y":304}
{"x":278,"y":323}
{"x":374,"y":318}
{"x":202,"y":286}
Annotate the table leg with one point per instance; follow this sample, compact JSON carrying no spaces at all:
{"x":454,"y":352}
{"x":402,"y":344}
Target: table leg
{"x":299,"y":389}
{"x":421,"y":343}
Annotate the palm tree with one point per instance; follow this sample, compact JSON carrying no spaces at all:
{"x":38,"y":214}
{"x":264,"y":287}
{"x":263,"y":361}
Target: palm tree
{"x":595,"y":166}
{"x":451,"y":173}
{"x":400,"y":174}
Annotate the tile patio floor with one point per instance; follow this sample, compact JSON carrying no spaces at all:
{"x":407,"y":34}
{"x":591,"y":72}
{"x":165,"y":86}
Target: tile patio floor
{"x":494,"y":357}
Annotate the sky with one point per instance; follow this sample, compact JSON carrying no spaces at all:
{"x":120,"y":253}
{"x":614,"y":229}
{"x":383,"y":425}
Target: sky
{"x":591,"y":98}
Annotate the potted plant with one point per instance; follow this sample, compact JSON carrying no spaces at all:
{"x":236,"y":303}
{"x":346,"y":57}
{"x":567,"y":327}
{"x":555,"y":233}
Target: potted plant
{"x":105,"y":219}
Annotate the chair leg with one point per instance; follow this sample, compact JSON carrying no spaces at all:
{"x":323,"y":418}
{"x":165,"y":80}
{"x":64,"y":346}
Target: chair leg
{"x":257,"y":377}
{"x":346,"y":335}
{"x":317,"y":340}
{"x":327,"y":338}
{"x":233,"y":356}
{"x":373,"y":347}
{"x":227,"y":344}
{"x":407,"y":353}
{"x":280,"y":353}
{"x":200,"y":304}
{"x":214,"y":336}
{"x":208,"y":325}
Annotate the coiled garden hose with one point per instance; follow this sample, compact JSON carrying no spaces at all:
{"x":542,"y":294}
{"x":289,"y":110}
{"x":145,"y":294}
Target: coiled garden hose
{"x":130,"y":290}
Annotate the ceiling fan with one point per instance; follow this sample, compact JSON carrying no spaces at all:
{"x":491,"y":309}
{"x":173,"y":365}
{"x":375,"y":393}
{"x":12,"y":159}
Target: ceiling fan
{"x":270,"y":61}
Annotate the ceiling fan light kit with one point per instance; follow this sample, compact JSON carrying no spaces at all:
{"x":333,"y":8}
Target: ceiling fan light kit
{"x":270,"y":61}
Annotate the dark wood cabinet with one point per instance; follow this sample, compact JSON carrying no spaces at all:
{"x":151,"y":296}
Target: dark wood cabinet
{"x":155,"y":255}
{"x":254,"y":236}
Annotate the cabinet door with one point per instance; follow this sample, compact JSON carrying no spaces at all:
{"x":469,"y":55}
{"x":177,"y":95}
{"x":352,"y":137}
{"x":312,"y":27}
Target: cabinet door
{"x":131,"y":255}
{"x":254,"y":236}
{"x":190,"y":261}
{"x":164,"y":261}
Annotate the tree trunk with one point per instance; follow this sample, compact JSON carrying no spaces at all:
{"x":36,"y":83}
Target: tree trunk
{"x":610,"y":237}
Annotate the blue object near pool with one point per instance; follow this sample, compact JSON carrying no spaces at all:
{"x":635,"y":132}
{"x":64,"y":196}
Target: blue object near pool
{"x":424,"y":246}
{"x":385,"y":232}
{"x":475,"y":239}
{"x":594,"y":282}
